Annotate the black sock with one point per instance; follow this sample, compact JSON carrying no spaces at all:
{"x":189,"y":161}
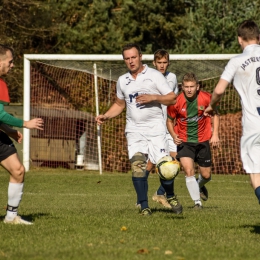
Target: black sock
{"x":141,"y":188}
{"x":257,"y":193}
{"x":168,"y":187}
{"x":161,"y":190}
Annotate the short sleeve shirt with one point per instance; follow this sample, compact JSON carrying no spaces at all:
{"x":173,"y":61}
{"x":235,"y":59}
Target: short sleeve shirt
{"x":148,"y":117}
{"x":244,"y":69}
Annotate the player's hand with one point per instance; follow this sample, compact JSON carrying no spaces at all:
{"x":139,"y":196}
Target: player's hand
{"x":209,"y":111}
{"x":177,"y":140}
{"x":101,"y":119}
{"x":144,"y":99}
{"x":215,"y":141}
{"x":36,"y":123}
{"x":16,"y":135}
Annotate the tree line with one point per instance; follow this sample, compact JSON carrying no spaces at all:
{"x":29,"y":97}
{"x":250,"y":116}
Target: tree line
{"x":104,"y":26}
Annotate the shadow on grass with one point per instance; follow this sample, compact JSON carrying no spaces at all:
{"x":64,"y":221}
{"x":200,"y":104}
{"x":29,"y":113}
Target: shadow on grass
{"x":168,"y":212}
{"x":255,"y":228}
{"x":30,"y":217}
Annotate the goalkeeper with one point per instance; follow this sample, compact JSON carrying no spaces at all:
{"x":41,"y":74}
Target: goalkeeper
{"x":8,"y":155}
{"x":192,"y":135}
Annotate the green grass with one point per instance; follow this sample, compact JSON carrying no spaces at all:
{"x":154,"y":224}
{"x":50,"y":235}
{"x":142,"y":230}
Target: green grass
{"x":79,"y":215}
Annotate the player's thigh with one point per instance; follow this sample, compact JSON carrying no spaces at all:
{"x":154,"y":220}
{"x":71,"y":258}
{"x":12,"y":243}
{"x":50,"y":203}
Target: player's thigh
{"x":15,"y":168}
{"x":188,"y":166}
{"x":255,"y":180}
{"x":250,"y":153}
{"x":7,"y":149}
{"x":158,"y":147}
{"x":136,"y":143}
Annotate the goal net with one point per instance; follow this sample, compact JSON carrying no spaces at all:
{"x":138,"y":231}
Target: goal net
{"x":68,"y":91}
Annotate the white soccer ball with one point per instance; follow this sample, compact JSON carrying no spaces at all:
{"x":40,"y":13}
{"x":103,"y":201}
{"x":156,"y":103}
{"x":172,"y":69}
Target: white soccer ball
{"x":167,"y":168}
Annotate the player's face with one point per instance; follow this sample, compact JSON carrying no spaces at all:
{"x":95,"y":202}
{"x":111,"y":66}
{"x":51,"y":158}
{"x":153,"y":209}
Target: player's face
{"x":190,"y":89}
{"x":133,"y":60}
{"x":6,"y":63}
{"x":161,"y":65}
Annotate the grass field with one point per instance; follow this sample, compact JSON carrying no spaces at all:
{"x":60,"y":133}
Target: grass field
{"x":82,"y":215}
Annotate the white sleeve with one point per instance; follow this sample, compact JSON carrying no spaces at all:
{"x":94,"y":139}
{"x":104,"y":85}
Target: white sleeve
{"x":162,"y":84}
{"x":119,"y":92}
{"x":230,"y":70}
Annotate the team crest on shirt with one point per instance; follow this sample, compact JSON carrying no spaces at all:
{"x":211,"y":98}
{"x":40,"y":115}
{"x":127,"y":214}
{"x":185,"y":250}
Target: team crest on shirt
{"x":162,"y":150}
{"x":201,"y":107}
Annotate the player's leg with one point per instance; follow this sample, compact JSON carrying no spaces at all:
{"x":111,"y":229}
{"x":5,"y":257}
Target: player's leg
{"x":250,"y":154}
{"x":159,"y":195}
{"x":149,"y":167}
{"x":255,"y":182}
{"x":10,"y":161}
{"x":159,"y":148}
{"x":137,"y":149}
{"x":186,"y":156}
{"x":204,"y":160}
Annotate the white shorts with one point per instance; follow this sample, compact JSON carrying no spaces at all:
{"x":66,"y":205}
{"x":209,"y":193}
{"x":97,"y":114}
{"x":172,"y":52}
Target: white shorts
{"x":250,"y":153}
{"x":172,"y":145}
{"x":155,"y":146}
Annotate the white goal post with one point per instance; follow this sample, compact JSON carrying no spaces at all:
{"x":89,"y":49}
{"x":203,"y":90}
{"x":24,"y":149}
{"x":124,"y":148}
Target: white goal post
{"x":93,"y":58}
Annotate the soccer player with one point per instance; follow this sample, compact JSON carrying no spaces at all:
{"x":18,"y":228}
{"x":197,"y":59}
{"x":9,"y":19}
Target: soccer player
{"x":244,"y":70}
{"x":161,"y":62}
{"x":8,"y":155}
{"x":193,"y":135}
{"x":142,"y":91}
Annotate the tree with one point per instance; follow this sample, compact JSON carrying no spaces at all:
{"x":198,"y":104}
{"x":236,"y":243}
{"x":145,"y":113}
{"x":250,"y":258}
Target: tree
{"x":212,"y":26}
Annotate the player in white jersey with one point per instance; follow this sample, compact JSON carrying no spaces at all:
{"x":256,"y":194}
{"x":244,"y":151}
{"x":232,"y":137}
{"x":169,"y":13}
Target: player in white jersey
{"x":244,"y":69}
{"x":142,"y":91}
{"x":161,"y":63}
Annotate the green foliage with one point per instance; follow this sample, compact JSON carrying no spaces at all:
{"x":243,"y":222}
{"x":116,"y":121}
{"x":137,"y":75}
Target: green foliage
{"x":103,"y":27}
{"x":212,"y":26}
{"x":79,"y":215}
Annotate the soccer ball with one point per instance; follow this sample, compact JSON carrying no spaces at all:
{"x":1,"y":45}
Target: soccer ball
{"x":167,"y":168}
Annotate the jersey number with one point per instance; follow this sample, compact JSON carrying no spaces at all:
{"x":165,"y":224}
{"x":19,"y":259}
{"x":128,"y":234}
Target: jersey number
{"x":258,"y":76}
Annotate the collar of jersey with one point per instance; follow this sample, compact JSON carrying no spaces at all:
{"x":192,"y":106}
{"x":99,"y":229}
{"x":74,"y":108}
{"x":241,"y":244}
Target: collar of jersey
{"x":129,"y":76}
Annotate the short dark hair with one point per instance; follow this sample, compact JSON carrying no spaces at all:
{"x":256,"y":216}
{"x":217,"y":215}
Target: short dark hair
{"x":248,"y":30}
{"x":161,"y":53}
{"x":190,"y":77}
{"x":129,"y":46}
{"x":4,"y":49}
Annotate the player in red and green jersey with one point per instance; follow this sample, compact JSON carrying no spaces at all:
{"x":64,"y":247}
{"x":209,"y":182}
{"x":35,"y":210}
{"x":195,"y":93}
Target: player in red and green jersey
{"x":8,"y":154}
{"x":193,"y":134}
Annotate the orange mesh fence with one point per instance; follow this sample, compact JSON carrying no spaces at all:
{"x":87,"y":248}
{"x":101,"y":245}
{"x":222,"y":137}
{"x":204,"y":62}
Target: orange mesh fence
{"x":64,"y":96}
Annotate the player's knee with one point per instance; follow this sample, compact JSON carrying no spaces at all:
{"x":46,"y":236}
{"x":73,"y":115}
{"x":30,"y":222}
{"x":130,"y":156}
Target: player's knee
{"x":138,"y":165}
{"x":18,"y":173}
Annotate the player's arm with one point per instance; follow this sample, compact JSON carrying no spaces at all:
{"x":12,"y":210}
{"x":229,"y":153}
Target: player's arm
{"x":36,"y":123}
{"x":216,"y":97}
{"x":13,"y":133}
{"x":116,"y":109}
{"x":215,"y":134}
{"x":169,"y":99}
{"x":170,"y":123}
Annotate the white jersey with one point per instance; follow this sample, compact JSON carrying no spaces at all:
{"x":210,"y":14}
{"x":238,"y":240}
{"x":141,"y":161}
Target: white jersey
{"x":172,"y":81}
{"x":245,"y":70}
{"x":147,"y":117}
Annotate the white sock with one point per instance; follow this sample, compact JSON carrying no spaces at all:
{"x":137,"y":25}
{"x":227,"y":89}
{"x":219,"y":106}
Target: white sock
{"x":15,"y":192}
{"x":202,"y":181}
{"x":193,"y":187}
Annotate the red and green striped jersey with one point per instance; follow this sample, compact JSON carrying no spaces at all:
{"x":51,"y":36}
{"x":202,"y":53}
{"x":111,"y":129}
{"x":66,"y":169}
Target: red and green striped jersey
{"x":5,"y":100}
{"x":4,"y":94}
{"x":191,"y":125}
